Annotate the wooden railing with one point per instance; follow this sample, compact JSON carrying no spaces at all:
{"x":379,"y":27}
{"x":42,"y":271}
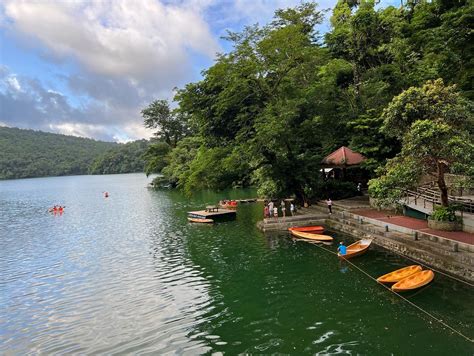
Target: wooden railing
{"x":432,"y":197}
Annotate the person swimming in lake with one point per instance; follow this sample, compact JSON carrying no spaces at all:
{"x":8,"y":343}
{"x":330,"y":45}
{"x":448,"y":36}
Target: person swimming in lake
{"x":342,"y":249}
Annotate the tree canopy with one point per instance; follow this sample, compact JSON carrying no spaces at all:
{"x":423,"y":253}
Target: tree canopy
{"x":284,"y":97}
{"x":28,"y":153}
{"x":435,"y":125}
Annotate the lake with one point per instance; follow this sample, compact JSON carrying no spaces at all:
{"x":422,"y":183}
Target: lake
{"x":129,"y":274}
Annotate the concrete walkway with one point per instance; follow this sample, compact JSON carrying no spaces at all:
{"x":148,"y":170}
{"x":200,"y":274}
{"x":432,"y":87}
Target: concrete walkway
{"x":415,"y":224}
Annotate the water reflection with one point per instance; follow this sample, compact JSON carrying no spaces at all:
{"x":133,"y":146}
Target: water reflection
{"x":129,"y":274}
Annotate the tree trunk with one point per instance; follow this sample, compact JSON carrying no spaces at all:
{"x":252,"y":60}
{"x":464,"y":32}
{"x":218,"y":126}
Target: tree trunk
{"x":442,"y":184}
{"x":300,"y":197}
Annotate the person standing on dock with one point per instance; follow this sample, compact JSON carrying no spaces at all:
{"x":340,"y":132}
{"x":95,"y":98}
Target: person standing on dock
{"x":283,"y":208}
{"x":266,"y":211}
{"x":329,"y":203}
{"x":292,"y":209}
{"x":270,"y":207}
{"x":275,"y":212}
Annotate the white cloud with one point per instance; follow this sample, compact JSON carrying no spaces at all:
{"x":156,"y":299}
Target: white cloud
{"x":13,"y":83}
{"x":135,"y":39}
{"x":123,"y":54}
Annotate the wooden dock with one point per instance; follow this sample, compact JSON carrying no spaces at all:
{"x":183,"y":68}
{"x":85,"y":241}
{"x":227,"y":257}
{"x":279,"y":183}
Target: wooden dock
{"x":220,"y":214}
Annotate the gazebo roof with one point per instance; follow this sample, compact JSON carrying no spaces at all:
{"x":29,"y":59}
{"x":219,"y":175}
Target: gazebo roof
{"x":343,"y":157}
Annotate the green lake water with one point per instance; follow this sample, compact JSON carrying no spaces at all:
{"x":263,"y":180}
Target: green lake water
{"x":129,"y":274}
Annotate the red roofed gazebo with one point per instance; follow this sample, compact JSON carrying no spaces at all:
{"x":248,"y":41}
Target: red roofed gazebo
{"x":343,"y":157}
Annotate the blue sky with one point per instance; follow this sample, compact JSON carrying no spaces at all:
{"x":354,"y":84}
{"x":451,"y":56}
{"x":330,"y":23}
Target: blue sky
{"x":87,"y":68}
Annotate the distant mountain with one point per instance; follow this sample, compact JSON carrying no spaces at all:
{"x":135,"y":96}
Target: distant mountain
{"x":29,"y":153}
{"x":123,"y":158}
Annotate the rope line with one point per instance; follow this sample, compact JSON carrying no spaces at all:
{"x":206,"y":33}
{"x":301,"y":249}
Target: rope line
{"x":405,"y":299}
{"x":437,"y":271}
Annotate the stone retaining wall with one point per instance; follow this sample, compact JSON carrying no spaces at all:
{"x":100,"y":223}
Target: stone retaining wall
{"x":444,"y":225}
{"x":459,"y":264}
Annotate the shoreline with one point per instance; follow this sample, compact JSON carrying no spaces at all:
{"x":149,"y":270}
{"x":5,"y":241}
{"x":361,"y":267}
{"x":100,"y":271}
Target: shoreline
{"x":455,"y":258}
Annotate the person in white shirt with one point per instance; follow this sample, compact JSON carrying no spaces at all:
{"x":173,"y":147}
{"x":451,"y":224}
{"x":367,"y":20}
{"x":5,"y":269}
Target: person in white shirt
{"x":329,"y":203}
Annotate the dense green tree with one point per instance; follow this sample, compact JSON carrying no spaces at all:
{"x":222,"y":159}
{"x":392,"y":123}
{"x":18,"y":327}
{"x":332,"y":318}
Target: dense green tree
{"x":268,"y":110}
{"x":170,"y":124}
{"x":156,"y":157}
{"x":124,"y":158}
{"x":435,"y":125}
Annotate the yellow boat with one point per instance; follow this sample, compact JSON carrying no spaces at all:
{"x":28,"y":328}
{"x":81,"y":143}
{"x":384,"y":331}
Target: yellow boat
{"x":399,"y":274}
{"x":414,"y":281}
{"x":356,"y":249}
{"x":201,"y":220}
{"x":310,"y":236}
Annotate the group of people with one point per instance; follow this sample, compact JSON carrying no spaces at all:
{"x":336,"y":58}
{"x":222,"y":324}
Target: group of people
{"x":57,"y":209}
{"x":228,"y":202}
{"x":271,"y":209}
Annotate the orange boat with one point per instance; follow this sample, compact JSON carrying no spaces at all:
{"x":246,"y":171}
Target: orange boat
{"x":311,"y":236}
{"x":414,"y":281}
{"x":232,"y":204}
{"x":201,"y":220}
{"x":399,"y":274}
{"x":356,"y":249}
{"x":311,"y":229}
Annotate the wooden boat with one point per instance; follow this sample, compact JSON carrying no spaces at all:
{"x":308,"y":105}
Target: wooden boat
{"x":414,"y":281}
{"x":311,"y":236}
{"x":201,"y":220}
{"x":399,"y":274}
{"x":356,"y":249}
{"x":311,"y":229}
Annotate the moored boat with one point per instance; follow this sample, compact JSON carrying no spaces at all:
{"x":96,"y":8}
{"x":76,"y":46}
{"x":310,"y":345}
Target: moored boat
{"x":414,"y":281}
{"x":399,"y":274}
{"x":201,"y":220}
{"x":311,"y":236}
{"x":356,"y":249}
{"x":228,"y":204}
{"x":311,"y":229}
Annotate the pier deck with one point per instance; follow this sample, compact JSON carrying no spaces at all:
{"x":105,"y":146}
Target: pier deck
{"x":217,"y":214}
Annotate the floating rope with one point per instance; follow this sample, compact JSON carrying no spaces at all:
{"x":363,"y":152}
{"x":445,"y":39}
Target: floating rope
{"x":437,"y":271}
{"x":405,"y":299}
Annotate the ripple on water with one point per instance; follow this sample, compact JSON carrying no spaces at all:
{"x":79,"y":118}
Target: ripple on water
{"x":130,"y":275}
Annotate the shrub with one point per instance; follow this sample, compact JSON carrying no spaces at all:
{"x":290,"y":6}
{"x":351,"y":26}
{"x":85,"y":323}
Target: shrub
{"x":445,"y":213}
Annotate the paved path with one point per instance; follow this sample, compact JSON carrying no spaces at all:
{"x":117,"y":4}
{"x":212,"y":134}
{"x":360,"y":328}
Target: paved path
{"x":415,"y":224}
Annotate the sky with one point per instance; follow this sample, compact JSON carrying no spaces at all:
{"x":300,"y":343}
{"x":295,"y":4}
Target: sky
{"x":87,"y":68}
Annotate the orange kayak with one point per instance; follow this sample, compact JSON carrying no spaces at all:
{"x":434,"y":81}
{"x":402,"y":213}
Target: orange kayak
{"x":311,"y":229}
{"x":200,"y":220}
{"x":356,"y":249}
{"x":417,"y":280}
{"x":399,"y":274}
{"x":311,"y":236}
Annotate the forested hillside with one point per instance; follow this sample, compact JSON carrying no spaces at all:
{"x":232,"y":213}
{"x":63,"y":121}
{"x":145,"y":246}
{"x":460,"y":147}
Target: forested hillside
{"x":124,"y":158}
{"x":285,"y":96}
{"x":28,"y":153}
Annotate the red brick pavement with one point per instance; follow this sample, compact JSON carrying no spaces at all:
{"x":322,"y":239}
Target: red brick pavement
{"x":415,"y":224}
